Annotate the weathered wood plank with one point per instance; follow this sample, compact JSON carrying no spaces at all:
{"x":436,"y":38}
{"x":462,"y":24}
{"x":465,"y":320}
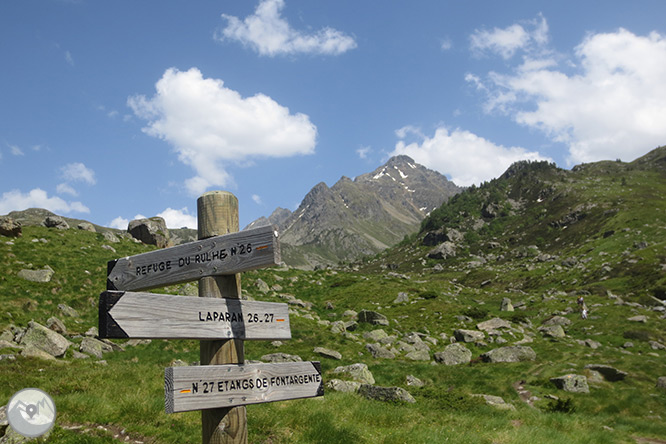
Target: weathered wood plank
{"x":219,"y":255}
{"x":214,"y":386}
{"x":161,"y":316}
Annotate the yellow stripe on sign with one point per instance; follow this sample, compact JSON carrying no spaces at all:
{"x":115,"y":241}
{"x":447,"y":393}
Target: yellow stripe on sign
{"x":186,"y":391}
{"x":263,"y":247}
{"x":279,"y":320}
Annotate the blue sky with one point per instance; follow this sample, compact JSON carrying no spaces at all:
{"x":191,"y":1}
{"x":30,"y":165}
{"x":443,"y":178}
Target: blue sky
{"x":111,"y":110}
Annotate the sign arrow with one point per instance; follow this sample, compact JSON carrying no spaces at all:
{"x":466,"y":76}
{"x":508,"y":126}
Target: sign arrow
{"x":126,"y":314}
{"x":213,"y":386}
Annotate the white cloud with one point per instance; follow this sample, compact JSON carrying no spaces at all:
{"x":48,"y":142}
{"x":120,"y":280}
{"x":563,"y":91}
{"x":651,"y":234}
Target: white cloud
{"x":78,"y":172}
{"x":463,"y":156}
{"x":15,"y":200}
{"x":211,"y":126}
{"x":257,"y":199}
{"x":507,"y":41}
{"x":15,"y":150}
{"x":65,"y":188}
{"x":177,"y":218}
{"x":68,"y":58}
{"x":446,"y":44}
{"x":613,"y":107}
{"x":269,"y":34}
{"x":119,"y":223}
{"x":363,"y":152}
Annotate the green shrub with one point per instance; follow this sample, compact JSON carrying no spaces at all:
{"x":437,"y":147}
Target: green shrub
{"x":640,"y":335}
{"x":561,"y":406}
{"x":476,"y":313}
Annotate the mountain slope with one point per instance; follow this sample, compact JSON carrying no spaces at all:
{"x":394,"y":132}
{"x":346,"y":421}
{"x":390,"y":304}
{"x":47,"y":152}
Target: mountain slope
{"x":363,"y":216}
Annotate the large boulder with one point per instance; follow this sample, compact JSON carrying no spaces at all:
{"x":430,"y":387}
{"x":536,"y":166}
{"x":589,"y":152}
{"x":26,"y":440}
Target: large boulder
{"x":379,"y":351}
{"x":390,"y":394}
{"x":338,"y":385}
{"x":151,"y":231}
{"x":86,"y":226}
{"x":9,"y":227}
{"x":281,"y":357}
{"x":358,"y":372}
{"x":571,"y":383}
{"x":463,"y":335}
{"x":372,"y":317}
{"x":553,"y":331}
{"x":493,"y":324}
{"x":45,"y":339}
{"x":442,"y":251}
{"x":55,"y":222}
{"x":609,"y":373}
{"x":515,"y":353}
{"x":43,"y":275}
{"x":454,"y":354}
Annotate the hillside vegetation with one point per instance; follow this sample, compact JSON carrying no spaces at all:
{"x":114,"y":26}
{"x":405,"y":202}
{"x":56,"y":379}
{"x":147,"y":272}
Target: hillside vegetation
{"x":536,"y":238}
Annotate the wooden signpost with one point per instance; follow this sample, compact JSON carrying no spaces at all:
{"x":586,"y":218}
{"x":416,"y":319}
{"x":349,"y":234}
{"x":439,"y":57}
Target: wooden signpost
{"x":222,"y":385}
{"x":196,"y":388}
{"x":218,"y":255}
{"x":127,"y":314}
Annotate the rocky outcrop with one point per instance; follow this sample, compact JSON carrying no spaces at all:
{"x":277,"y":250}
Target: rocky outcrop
{"x":516,"y":353}
{"x":372,"y":317}
{"x":9,"y":227}
{"x":390,"y":394}
{"x":151,"y":231}
{"x":358,"y":372}
{"x":609,"y":373}
{"x":43,"y":275}
{"x":44,"y":339}
{"x":463,"y":335}
{"x":281,"y":357}
{"x":56,"y":222}
{"x":571,"y":383}
{"x":454,"y":354}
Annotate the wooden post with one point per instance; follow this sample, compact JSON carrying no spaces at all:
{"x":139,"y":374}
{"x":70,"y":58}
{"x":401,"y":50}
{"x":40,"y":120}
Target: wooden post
{"x":217,"y":213}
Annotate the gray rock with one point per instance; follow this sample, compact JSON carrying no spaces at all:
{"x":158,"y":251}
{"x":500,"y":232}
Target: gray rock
{"x":68,"y":311}
{"x":610,"y":373}
{"x":657,"y":345}
{"x":462,"y":335}
{"x":592,"y":344}
{"x":55,"y":222}
{"x":641,"y":318}
{"x":358,"y":372}
{"x":553,"y":331}
{"x":418,"y":355}
{"x":56,"y":325}
{"x":390,"y":394}
{"x":516,"y":353}
{"x":338,"y":385}
{"x":661,"y":382}
{"x":442,"y":251}
{"x":94,"y":347}
{"x":338,"y":327}
{"x":92,"y":332}
{"x":151,"y":231}
{"x":557,"y":320}
{"x":402,"y":297}
{"x":506,"y":305}
{"x":110,"y":237}
{"x":454,"y":354}
{"x":571,"y":383}
{"x":281,"y":357}
{"x":30,"y":351}
{"x":262,"y":286}
{"x":372,"y":317}
{"x":495,"y":401}
{"x":86,"y":226}
{"x":375,"y":335}
{"x":413,"y":381}
{"x":379,"y":351}
{"x":493,"y":324}
{"x":45,"y":339}
{"x":43,"y":275}
{"x":9,"y":227}
{"x":326,"y":353}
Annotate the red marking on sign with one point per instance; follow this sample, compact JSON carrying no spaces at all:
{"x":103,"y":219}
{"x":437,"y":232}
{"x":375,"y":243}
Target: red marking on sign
{"x":186,"y":391}
{"x":279,"y":320}
{"x":263,"y":247}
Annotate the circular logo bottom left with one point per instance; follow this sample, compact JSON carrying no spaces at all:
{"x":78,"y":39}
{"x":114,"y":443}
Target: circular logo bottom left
{"x":31,"y":412}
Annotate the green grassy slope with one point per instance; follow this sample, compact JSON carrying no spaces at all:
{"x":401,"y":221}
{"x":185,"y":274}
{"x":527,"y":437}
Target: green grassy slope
{"x":599,"y":231}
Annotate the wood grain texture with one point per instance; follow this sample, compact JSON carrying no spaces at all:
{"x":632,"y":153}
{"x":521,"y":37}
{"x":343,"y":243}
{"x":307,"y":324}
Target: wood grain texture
{"x":219,"y":255}
{"x":143,"y":315}
{"x":217,"y":214}
{"x":206,"y":387}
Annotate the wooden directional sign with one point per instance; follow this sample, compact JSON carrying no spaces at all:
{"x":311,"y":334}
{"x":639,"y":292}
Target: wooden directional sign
{"x":213,"y":386}
{"x":126,"y":314}
{"x":214,"y":256}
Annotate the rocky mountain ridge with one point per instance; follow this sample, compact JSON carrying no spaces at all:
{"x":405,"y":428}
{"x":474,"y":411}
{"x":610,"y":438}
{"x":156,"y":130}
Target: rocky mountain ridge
{"x":359,"y":217}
